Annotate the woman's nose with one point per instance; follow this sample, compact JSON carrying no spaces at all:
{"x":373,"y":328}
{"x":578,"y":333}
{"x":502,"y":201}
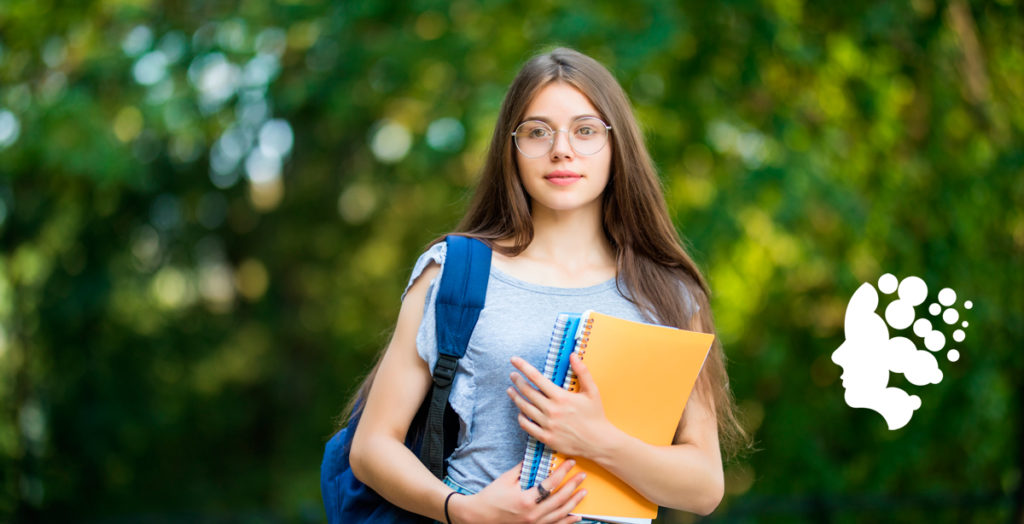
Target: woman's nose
{"x":561,"y":148}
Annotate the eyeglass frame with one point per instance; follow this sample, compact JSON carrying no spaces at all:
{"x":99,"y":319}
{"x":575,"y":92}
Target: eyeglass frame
{"x":554,"y":136}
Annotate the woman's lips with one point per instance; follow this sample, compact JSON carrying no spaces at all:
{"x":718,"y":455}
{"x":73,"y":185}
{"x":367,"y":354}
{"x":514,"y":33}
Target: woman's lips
{"x":563,"y":178}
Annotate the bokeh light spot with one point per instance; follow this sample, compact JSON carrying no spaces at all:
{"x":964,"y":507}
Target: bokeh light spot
{"x":430,"y":25}
{"x":446,"y":135}
{"x":137,"y":41}
{"x":357,"y":203}
{"x":252,"y":279}
{"x":151,"y":68}
{"x":10,"y":128}
{"x":216,"y":285}
{"x":271,"y":41}
{"x":127,"y":123}
{"x":261,"y":168}
{"x":171,"y":288}
{"x":390,"y":142}
{"x":54,"y":52}
{"x":276,"y":138}
{"x":266,"y":196}
{"x":172,"y":45}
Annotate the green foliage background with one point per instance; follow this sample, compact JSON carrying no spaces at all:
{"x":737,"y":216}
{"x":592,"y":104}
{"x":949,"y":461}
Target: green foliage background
{"x":176,"y":337}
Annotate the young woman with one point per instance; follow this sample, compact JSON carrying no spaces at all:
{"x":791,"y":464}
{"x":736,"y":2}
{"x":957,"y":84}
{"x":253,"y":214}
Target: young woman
{"x":572,"y":207}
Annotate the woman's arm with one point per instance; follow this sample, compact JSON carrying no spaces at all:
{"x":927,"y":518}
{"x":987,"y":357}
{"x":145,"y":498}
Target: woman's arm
{"x":686,"y":475}
{"x":380,"y":459}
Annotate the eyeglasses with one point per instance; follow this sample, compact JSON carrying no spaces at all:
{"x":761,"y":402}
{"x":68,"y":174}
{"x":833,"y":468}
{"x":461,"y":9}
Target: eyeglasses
{"x":587,"y":136}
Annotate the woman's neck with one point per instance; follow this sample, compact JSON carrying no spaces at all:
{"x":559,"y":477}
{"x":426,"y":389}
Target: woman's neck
{"x":574,"y":239}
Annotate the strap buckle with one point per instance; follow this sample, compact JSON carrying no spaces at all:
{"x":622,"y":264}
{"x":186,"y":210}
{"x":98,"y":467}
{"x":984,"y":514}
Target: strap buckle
{"x":444,"y":370}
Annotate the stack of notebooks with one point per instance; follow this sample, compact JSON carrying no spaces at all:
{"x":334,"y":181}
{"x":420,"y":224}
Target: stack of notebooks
{"x":645,"y":374}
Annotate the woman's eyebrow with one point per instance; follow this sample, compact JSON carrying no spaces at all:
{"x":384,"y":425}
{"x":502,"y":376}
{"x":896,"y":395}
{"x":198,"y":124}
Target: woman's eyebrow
{"x":548,"y":120}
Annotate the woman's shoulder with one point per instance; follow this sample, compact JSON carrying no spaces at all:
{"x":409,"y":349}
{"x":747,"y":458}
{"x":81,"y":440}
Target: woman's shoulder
{"x":429,"y":264}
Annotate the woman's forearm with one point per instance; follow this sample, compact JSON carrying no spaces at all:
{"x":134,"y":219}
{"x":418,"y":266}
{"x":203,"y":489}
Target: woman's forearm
{"x":681,"y":476}
{"x":393,"y":471}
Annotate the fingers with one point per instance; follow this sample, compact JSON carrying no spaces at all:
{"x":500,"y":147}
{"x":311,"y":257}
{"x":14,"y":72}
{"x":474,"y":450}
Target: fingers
{"x":556,"y":477}
{"x":526,"y":390}
{"x":525,"y":406}
{"x":583,"y":375}
{"x":531,"y":428}
{"x":568,"y":506}
{"x":559,"y":504}
{"x":545,"y":386}
{"x":512,"y":475}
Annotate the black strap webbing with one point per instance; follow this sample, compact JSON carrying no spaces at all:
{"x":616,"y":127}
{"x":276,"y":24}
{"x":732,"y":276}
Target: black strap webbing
{"x":432,"y":453}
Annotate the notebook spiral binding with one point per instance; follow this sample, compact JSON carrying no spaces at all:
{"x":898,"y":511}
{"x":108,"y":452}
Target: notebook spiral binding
{"x":571,"y":383}
{"x":537,"y":459}
{"x":570,"y":335}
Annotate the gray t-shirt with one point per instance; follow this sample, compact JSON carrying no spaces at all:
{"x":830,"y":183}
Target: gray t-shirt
{"x":517,"y":320}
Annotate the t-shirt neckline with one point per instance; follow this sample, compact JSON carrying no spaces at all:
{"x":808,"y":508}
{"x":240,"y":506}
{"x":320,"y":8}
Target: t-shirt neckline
{"x":551,"y":290}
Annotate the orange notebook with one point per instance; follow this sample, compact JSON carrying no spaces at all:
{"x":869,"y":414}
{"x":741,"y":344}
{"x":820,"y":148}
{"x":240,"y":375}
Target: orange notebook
{"x":645,"y":374}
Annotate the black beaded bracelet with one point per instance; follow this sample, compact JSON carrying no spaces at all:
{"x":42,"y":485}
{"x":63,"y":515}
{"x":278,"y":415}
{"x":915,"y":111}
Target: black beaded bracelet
{"x":446,"y":499}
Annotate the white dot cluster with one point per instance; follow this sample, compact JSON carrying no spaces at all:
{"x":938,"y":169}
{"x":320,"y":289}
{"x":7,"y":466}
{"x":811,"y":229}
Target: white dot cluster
{"x":912,"y":292}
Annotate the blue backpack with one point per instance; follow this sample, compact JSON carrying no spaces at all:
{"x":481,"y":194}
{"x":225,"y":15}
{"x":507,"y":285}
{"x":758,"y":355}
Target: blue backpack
{"x":433,"y":431}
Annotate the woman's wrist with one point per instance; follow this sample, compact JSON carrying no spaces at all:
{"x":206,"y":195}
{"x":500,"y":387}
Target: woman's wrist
{"x":458,"y":508}
{"x":605,"y":448}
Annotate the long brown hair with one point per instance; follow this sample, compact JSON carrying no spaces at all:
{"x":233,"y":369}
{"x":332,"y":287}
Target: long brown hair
{"x":653,"y":268}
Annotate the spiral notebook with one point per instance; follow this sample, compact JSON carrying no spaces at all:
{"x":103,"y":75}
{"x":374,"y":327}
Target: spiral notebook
{"x":645,"y":374}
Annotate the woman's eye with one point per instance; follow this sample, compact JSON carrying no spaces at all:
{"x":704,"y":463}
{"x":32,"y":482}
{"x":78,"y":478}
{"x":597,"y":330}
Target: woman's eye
{"x":538,"y":132}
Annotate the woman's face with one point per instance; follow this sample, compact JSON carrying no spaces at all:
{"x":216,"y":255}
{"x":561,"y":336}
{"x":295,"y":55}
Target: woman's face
{"x":562,"y":179}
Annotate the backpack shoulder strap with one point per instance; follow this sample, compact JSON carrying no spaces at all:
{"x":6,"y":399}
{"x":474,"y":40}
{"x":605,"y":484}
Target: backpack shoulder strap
{"x":461,"y":295}
{"x":460,"y":299}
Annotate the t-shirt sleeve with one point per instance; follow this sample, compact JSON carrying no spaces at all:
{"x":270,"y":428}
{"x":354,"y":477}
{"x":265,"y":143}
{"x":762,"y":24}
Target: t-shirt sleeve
{"x":426,"y":336}
{"x":461,"y":396}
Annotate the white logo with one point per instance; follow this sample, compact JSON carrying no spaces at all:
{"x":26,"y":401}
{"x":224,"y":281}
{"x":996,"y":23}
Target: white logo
{"x":868,"y":355}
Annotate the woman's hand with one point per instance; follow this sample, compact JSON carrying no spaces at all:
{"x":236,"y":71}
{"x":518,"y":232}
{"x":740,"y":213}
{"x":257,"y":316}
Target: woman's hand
{"x":566,"y":421}
{"x":502,"y":500}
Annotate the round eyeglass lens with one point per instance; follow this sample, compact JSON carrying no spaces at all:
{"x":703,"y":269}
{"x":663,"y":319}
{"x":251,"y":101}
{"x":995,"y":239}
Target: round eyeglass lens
{"x":587,"y":136}
{"x":534,"y":138}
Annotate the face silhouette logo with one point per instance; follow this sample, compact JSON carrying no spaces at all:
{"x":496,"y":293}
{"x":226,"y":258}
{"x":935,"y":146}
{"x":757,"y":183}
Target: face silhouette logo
{"x":868,"y":355}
